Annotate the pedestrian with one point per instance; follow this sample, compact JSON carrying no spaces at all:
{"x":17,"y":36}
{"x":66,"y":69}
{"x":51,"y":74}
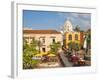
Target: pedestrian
{"x":75,"y":60}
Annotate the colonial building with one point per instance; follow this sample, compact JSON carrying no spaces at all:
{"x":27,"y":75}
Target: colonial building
{"x":45,"y":37}
{"x":76,"y":37}
{"x":70,"y":35}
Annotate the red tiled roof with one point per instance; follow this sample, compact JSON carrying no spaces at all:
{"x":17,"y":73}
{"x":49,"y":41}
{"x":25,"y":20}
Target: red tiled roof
{"x":41,"y":32}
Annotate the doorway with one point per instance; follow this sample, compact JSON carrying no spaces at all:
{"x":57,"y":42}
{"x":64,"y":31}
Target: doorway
{"x":43,"y":49}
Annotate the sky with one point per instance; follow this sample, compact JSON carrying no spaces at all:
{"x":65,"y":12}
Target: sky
{"x":54,"y":20}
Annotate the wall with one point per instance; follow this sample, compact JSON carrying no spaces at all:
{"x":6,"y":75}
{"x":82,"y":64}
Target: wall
{"x":73,"y":38}
{"x":48,"y":39}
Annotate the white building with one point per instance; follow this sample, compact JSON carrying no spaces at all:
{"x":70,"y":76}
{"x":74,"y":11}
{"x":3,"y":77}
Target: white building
{"x":46,"y":37}
{"x":68,"y":27}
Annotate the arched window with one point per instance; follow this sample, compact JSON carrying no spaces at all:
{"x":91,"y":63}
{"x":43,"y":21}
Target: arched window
{"x":70,"y":37}
{"x":76,"y":36}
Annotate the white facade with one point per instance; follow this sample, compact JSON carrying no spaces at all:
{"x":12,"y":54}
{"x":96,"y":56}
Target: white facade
{"x":68,"y":27}
{"x":45,"y":40}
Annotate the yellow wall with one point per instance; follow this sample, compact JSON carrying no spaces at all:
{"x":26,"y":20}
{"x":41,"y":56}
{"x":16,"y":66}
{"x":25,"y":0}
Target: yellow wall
{"x":73,"y":38}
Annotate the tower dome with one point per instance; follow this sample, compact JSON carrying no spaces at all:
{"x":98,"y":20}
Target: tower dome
{"x":68,"y":26}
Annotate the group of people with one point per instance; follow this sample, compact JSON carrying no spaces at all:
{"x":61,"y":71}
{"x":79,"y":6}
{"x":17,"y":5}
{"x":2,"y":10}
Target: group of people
{"x":74,"y":57}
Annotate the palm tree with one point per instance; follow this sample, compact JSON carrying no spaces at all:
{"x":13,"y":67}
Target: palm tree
{"x":54,"y":47}
{"x":77,"y":28}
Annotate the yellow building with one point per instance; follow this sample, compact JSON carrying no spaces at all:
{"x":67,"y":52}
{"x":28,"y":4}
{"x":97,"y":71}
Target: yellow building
{"x":70,"y":35}
{"x":76,"y":37}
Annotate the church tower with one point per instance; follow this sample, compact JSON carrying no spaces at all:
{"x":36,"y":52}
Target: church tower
{"x":68,"y":26}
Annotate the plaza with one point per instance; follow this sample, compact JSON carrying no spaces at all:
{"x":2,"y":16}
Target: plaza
{"x":52,"y":48}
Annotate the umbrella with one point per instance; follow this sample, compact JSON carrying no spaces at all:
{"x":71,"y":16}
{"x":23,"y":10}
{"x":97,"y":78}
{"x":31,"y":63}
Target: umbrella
{"x":51,"y":55}
{"x":43,"y":53}
{"x":38,"y":55}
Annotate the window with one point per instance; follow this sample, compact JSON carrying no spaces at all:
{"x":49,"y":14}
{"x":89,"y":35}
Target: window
{"x":53,"y":39}
{"x":70,"y":37}
{"x":43,"y":40}
{"x":76,"y":36}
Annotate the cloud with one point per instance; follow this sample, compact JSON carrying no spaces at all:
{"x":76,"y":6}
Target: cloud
{"x":81,"y":19}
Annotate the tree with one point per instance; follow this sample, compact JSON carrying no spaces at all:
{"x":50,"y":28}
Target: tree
{"x":74,"y":45}
{"x":34,"y":45}
{"x":25,"y":44}
{"x":77,"y":28}
{"x":88,"y":34}
{"x":54,"y":47}
{"x":28,"y":51}
{"x":88,"y":37}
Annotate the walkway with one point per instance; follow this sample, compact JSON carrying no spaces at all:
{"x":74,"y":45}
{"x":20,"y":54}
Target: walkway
{"x":64,"y":59}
